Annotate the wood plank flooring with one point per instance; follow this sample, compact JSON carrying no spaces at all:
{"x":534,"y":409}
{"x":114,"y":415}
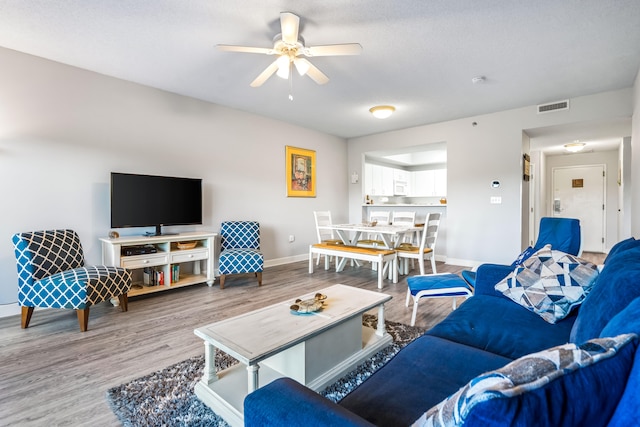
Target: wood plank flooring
{"x":52,"y":374}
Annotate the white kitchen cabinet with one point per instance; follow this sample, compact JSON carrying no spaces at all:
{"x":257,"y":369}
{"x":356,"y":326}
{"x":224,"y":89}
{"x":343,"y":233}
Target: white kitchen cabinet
{"x":429,"y":183}
{"x":378,"y":180}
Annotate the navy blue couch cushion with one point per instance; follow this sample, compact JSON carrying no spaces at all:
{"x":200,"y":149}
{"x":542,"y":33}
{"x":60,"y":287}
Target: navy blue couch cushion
{"x":617,"y":285}
{"x":285,"y":402}
{"x":500,"y":326}
{"x":628,"y":408}
{"x":568,"y":385}
{"x":487,"y":276}
{"x":627,"y":321}
{"x":622,"y":246}
{"x":418,"y":377}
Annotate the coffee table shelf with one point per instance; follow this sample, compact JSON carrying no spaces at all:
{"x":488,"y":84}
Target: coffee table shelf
{"x":271,"y":342}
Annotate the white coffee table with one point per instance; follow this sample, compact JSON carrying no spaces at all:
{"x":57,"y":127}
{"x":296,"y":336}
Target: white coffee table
{"x":272,"y":342}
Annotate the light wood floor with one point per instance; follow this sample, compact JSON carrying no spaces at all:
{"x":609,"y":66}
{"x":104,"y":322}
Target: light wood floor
{"x":52,"y":374}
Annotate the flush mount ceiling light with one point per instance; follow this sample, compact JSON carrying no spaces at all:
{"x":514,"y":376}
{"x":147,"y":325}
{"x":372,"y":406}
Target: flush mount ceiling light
{"x":382,"y":111}
{"x":574,"y":147}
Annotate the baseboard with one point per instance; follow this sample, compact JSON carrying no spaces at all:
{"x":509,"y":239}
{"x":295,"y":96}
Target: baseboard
{"x":7,"y":310}
{"x":286,"y":260}
{"x":462,"y":262}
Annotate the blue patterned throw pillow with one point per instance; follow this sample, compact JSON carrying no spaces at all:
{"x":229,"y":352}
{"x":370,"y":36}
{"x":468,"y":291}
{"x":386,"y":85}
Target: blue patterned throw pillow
{"x":550,"y":283}
{"x":568,"y":385}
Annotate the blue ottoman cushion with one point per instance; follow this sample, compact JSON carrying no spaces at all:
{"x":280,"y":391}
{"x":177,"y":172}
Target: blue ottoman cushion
{"x":447,"y":284}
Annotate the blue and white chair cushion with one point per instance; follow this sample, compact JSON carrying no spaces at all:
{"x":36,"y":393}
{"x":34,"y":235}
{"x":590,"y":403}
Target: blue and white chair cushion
{"x":77,"y":288}
{"x":235,"y":261}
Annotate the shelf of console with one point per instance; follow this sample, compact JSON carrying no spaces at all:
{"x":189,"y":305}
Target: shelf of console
{"x":199,"y":258}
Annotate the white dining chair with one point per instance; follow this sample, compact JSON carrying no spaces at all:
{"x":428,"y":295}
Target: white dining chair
{"x":323,"y":218}
{"x":426,"y":250}
{"x":405,"y":218}
{"x":372,"y":239}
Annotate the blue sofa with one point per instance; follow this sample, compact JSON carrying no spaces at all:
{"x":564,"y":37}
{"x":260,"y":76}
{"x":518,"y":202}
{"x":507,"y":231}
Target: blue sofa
{"x":488,"y":332}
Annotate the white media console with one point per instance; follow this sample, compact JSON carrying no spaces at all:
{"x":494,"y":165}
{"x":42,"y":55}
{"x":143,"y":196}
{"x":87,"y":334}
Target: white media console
{"x":193,"y":253}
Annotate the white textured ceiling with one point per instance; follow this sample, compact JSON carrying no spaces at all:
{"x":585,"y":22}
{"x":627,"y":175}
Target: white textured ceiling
{"x":419,"y":55}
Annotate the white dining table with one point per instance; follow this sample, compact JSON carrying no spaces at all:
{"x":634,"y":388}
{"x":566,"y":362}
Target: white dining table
{"x":391,"y":235}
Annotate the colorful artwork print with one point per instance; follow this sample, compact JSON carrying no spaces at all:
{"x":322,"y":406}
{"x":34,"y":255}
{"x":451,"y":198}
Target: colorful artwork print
{"x":301,"y":166}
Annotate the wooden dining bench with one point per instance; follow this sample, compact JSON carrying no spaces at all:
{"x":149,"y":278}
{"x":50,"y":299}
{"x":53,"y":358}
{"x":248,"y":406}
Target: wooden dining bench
{"x":377,"y":256}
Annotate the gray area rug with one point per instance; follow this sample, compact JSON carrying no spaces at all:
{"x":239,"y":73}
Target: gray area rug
{"x":166,"y":397}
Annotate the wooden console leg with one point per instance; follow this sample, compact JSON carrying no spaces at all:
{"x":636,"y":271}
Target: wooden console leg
{"x":26,"y":316}
{"x":259,"y":276}
{"x":222,"y":281}
{"x":124,"y":301}
{"x":83,"y":318}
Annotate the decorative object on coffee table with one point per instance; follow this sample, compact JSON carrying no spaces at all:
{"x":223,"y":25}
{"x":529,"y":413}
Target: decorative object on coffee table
{"x":309,"y":305}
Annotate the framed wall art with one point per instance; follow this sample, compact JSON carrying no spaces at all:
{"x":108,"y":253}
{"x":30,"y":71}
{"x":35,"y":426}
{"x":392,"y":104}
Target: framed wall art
{"x":301,"y":172}
{"x":526,"y":167}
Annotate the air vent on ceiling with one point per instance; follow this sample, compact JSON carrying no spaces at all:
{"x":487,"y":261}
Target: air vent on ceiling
{"x":553,"y":106}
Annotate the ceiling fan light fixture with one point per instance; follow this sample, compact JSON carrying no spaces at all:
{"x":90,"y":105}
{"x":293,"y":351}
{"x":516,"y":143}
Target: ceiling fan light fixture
{"x":574,"y":147}
{"x":302,"y":65}
{"x":382,"y":111}
{"x":283,"y":67}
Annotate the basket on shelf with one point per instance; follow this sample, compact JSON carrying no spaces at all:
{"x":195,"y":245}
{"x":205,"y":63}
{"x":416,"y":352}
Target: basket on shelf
{"x":186,"y":245}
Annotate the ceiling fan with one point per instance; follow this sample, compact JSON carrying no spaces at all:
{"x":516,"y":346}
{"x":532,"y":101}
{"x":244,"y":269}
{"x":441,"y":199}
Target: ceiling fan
{"x":291,"y":52}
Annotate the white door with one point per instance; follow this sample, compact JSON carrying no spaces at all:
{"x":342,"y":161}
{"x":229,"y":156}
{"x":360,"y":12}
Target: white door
{"x":579,"y":192}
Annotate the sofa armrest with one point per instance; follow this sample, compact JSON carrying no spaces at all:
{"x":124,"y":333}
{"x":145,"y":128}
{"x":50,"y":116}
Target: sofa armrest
{"x":285,"y":402}
{"x":488,"y":275}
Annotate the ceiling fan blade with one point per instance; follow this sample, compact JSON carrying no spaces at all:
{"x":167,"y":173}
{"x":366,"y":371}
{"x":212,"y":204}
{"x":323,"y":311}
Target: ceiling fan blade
{"x":315,"y":74}
{"x":334,"y":50}
{"x":268,"y":72}
{"x":245,"y":49}
{"x":289,"y":24}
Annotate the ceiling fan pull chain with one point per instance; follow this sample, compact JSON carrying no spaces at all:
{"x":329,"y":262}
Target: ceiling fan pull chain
{"x":290,"y":81}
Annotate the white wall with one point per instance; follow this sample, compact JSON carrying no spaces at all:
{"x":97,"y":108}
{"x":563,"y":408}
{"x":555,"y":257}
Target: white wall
{"x":63,"y":130}
{"x":476,"y":230}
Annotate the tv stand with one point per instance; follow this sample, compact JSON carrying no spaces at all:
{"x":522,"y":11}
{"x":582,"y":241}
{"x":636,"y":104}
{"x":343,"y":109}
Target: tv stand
{"x":196,"y":264}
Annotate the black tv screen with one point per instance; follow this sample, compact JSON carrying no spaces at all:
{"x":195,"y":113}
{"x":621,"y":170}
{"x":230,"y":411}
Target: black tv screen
{"x":154,"y":201}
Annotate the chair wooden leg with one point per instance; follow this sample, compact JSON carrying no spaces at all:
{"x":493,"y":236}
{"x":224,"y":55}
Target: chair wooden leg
{"x":222,"y":281}
{"x":124,"y":301}
{"x":83,"y":318}
{"x":259,"y":276}
{"x":26,"y":316}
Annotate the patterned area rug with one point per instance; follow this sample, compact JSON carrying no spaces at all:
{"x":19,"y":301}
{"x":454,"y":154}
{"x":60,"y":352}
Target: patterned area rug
{"x":167,"y":398}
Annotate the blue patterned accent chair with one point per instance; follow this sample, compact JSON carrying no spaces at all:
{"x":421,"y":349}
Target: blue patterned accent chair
{"x":51,"y":273}
{"x":240,"y":249}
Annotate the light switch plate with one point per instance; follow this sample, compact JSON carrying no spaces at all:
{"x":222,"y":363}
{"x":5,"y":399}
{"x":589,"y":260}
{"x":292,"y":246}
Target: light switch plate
{"x":496,"y":200}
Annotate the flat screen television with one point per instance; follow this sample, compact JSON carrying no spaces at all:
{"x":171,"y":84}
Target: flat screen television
{"x":154,"y":201}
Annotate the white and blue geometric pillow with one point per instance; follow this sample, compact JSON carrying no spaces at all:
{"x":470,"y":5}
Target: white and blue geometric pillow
{"x":550,"y":283}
